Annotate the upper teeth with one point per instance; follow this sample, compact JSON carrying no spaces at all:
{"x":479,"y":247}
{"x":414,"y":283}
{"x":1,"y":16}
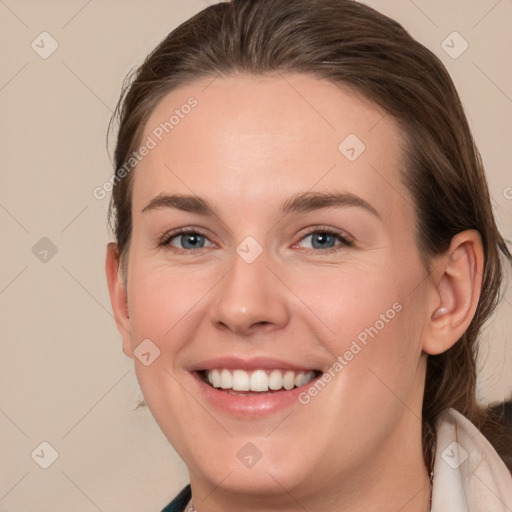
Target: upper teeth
{"x":258,"y":380}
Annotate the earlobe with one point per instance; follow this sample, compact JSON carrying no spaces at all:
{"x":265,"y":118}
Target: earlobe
{"x":455,"y":292}
{"x":118,"y":299}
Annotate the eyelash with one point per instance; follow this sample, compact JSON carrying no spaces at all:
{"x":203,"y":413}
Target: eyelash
{"x":342,"y":237}
{"x":344,"y":240}
{"x":165,"y":241}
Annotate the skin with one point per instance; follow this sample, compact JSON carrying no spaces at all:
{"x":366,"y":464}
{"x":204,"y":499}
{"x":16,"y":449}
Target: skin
{"x":251,"y":144}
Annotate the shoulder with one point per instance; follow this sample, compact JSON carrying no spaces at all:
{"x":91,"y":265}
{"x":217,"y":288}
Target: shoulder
{"x":467,"y":469}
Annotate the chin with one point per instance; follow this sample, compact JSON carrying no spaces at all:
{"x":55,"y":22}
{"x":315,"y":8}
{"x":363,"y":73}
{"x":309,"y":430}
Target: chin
{"x":256,"y":467}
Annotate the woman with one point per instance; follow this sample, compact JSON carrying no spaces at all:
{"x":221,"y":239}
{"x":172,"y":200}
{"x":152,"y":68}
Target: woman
{"x":305,"y":254}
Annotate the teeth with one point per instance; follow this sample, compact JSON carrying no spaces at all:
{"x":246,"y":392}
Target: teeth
{"x":226,"y":379}
{"x":258,"y":380}
{"x":289,"y":380}
{"x":214,"y":378}
{"x":302,"y":379}
{"x":275,"y":380}
{"x":241,"y":381}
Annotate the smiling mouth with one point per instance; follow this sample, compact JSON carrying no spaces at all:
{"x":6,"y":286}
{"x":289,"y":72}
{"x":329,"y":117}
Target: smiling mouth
{"x":257,"y":381}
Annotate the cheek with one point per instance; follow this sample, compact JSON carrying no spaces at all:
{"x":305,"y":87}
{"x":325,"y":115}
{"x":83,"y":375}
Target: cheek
{"x":375,"y":341}
{"x":369,"y":319}
{"x":351,"y":303}
{"x":164,"y":305}
{"x":162,"y":300}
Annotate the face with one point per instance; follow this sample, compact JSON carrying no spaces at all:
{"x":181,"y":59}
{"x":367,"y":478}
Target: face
{"x":274,"y":273}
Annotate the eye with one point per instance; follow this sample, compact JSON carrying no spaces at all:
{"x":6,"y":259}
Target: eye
{"x":187,"y":240}
{"x":324,"y":240}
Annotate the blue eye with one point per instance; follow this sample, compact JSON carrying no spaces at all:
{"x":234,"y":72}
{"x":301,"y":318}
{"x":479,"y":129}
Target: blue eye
{"x":323,"y":240}
{"x":190,"y":240}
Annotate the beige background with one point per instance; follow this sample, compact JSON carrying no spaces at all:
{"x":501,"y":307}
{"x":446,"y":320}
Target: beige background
{"x":64,"y":378}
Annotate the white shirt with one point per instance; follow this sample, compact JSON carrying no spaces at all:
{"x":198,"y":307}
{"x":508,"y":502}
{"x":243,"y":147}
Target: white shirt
{"x":469,"y":476}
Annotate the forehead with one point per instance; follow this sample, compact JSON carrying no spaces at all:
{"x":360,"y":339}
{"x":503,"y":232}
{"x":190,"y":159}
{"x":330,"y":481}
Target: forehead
{"x":248,"y":138}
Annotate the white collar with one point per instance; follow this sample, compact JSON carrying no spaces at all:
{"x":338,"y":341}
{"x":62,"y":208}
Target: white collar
{"x":469,"y":476}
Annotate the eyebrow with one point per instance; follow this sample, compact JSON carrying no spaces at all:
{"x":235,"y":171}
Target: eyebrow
{"x":301,"y":203}
{"x":309,"y":201}
{"x":192,"y":204}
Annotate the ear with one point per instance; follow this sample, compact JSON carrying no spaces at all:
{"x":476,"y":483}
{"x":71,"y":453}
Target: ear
{"x":457,"y":282}
{"x":118,"y":297}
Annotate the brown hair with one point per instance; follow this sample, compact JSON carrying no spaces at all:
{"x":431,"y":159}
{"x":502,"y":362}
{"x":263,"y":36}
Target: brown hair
{"x":351,"y":44}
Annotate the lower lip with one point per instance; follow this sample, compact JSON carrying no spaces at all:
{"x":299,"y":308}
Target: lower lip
{"x":253,"y":404}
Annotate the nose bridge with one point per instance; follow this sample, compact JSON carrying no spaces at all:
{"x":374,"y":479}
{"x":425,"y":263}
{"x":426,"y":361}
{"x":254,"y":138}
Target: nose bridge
{"x":249,"y":297}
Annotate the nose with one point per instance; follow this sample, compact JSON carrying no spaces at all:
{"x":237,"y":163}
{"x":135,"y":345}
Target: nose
{"x":250,"y":299}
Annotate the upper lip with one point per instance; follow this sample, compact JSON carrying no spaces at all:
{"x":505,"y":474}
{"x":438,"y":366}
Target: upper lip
{"x":255,"y":363}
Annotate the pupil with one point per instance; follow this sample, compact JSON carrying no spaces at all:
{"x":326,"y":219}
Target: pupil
{"x":191,"y":240}
{"x":322,"y":240}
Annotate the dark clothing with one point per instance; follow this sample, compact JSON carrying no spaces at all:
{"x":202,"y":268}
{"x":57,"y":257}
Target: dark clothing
{"x":179,"y":503}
